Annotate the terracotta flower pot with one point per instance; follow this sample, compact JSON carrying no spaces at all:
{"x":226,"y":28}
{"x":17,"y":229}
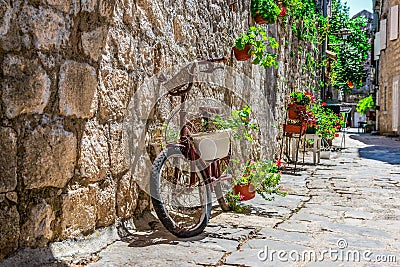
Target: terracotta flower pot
{"x":260,"y":20}
{"x":242,"y":55}
{"x":296,"y":129}
{"x":293,"y":111}
{"x":247,"y":191}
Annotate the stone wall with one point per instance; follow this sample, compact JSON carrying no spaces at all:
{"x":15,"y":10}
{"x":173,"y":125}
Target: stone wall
{"x":389,"y":72}
{"x":68,"y":71}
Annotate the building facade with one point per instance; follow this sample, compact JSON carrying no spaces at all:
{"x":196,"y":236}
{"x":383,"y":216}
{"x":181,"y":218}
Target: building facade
{"x":387,"y":65}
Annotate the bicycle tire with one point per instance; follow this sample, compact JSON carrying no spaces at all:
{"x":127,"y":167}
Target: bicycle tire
{"x":160,"y":204}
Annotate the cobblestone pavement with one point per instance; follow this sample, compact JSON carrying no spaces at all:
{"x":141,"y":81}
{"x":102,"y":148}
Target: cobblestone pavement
{"x":342,"y":212}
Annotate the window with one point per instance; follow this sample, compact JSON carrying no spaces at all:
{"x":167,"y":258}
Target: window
{"x":377,"y":45}
{"x":394,"y":23}
{"x":383,"y":34}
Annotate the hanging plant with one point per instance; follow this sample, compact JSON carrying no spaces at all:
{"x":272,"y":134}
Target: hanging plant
{"x":256,"y":38}
{"x":265,"y":11}
{"x":289,"y":5}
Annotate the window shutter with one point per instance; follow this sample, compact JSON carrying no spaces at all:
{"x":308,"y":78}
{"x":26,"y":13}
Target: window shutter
{"x":394,"y":22}
{"x":383,"y":34}
{"x":377,"y":45}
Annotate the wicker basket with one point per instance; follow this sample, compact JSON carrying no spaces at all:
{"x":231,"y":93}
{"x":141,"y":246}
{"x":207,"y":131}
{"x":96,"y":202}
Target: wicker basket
{"x":212,"y":146}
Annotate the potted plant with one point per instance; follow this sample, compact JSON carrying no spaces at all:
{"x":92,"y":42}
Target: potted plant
{"x":327,"y":123}
{"x":298,"y":103}
{"x":261,"y":177}
{"x":255,"y":42}
{"x":296,"y":127}
{"x":265,"y":11}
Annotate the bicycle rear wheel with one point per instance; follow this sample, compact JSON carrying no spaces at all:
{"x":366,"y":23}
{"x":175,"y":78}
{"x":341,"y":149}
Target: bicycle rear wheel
{"x":180,"y":195}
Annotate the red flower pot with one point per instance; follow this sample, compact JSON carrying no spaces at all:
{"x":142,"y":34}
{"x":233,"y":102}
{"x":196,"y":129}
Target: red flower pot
{"x":260,"y":20}
{"x":296,"y":129}
{"x":294,"y":110}
{"x":247,"y":192}
{"x":242,"y":55}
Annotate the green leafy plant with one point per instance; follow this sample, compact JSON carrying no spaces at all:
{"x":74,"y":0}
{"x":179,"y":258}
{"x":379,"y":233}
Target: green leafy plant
{"x":291,"y":5}
{"x":308,"y":21}
{"x":234,"y":200}
{"x":327,"y":122}
{"x":263,"y":175}
{"x":239,"y":122}
{"x":365,"y":104}
{"x":267,"y":9}
{"x":257,"y":38}
{"x":301,"y":98}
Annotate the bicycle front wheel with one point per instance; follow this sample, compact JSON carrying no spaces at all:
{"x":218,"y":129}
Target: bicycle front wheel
{"x":180,"y":195}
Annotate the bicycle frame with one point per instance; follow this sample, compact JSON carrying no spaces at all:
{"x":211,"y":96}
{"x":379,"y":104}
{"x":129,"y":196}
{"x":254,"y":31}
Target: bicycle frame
{"x":209,"y":171}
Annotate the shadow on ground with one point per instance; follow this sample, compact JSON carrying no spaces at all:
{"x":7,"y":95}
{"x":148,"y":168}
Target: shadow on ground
{"x":379,"y":148}
{"x":33,"y":257}
{"x":156,"y":238}
{"x":150,"y":232}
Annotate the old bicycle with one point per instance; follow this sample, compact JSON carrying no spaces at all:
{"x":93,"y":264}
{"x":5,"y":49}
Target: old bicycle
{"x":186,"y":174}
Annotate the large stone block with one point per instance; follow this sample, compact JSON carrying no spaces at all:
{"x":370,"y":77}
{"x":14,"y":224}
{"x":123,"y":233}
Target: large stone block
{"x":26,"y":86}
{"x":62,"y":5}
{"x":78,"y":83}
{"x":36,"y":231}
{"x":106,"y":203}
{"x":9,"y":229}
{"x":94,"y":161}
{"x":79,"y":212}
{"x":49,"y":157}
{"x":106,"y":8}
{"x":93,"y":42}
{"x":5,"y":17}
{"x":115,"y":92}
{"x":123,"y":49}
{"x":8,"y":159}
{"x":50,"y":29}
{"x":88,"y":5}
{"x":118,"y":153}
{"x":127,"y":196}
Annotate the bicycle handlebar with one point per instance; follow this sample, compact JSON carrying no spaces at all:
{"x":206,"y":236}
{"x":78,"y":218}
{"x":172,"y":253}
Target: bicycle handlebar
{"x":177,"y":91}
